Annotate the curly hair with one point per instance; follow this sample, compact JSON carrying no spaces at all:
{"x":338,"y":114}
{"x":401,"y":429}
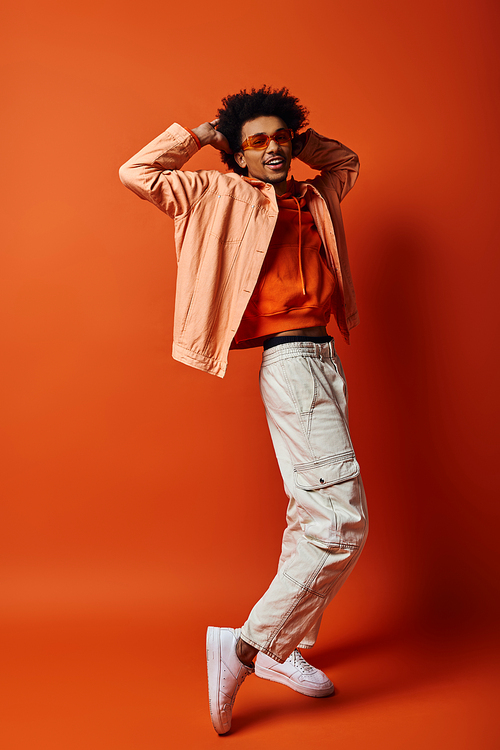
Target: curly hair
{"x":239,"y":108}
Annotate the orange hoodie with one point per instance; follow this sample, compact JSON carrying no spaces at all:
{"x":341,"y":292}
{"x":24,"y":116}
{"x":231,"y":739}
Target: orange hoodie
{"x":295,"y":286}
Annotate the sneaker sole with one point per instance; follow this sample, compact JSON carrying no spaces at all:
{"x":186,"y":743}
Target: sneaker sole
{"x":268,"y":674}
{"x":213,"y":671}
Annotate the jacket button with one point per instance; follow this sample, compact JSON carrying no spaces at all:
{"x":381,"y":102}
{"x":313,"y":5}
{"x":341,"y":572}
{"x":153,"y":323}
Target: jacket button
{"x":322,"y":481}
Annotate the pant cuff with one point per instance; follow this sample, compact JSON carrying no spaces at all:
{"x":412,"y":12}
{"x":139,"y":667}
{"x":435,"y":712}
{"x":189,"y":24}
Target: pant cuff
{"x":264,"y":649}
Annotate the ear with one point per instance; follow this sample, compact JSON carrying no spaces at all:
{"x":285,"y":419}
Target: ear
{"x":240,"y":159}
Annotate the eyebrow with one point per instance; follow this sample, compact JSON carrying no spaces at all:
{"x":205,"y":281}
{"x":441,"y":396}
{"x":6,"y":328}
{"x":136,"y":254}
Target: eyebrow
{"x":263,"y":133}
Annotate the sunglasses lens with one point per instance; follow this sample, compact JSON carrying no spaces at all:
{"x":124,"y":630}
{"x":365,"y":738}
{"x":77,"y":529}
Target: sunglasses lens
{"x":258,"y":141}
{"x":282,"y":136}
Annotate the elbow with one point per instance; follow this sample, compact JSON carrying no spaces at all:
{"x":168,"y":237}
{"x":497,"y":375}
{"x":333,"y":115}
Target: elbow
{"x":124,"y":174}
{"x":130,"y":178}
{"x":354,"y":162}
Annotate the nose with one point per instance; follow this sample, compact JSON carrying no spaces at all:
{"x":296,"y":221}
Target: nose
{"x":273,"y":145}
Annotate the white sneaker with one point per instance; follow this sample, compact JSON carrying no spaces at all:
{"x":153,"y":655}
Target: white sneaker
{"x":295,"y":672}
{"x":225,"y":675}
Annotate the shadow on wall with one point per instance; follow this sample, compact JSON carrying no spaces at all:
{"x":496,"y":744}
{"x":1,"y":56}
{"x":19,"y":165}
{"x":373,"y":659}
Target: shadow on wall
{"x":427,"y":502}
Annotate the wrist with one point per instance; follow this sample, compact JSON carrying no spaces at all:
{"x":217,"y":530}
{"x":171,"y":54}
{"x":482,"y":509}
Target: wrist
{"x":195,"y":135}
{"x":203,"y":134}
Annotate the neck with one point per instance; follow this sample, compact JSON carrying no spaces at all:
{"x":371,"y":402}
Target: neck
{"x":281,"y":188}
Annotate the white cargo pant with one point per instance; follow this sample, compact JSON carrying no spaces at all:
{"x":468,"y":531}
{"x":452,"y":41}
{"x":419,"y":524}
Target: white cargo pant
{"x":305,"y":397}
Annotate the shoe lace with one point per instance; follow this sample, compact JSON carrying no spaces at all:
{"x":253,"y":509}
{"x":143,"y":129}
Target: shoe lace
{"x":299,"y":662}
{"x":240,"y":678}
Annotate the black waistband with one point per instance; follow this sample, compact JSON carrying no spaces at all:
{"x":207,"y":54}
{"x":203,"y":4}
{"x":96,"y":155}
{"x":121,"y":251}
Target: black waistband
{"x":275,"y":340}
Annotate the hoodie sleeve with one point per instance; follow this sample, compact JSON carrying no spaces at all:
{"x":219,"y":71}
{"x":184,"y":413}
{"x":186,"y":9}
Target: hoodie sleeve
{"x":339,"y":165}
{"x":155,"y":174}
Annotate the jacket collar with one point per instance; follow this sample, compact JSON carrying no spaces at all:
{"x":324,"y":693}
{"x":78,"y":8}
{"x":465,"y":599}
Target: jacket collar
{"x":298,"y":189}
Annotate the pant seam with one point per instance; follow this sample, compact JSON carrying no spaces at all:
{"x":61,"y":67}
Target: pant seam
{"x":304,"y":586}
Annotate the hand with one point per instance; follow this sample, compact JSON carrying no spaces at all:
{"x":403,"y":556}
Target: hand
{"x":298,"y":143}
{"x":209,"y":135}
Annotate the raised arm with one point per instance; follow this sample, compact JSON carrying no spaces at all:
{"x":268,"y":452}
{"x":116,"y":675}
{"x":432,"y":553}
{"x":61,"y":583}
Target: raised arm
{"x":154,"y":173}
{"x":207,"y":135}
{"x":339,"y":165}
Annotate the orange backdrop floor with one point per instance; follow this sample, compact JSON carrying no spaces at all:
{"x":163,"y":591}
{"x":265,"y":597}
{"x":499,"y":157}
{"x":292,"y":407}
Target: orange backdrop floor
{"x":115,"y":685}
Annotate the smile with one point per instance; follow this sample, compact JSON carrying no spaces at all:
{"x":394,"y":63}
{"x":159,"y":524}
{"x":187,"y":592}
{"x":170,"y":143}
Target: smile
{"x":275,"y":163}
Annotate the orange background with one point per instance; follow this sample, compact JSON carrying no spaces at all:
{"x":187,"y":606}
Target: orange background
{"x":141,"y":500}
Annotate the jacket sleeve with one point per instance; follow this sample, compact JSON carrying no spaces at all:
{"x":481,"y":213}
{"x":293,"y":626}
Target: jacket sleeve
{"x":338,"y":164}
{"x":154,"y":173}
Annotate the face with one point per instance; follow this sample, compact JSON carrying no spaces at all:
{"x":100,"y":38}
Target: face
{"x":272,"y":163}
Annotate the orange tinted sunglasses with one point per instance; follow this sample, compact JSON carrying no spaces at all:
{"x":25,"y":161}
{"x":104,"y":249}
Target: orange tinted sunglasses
{"x":262,"y":141}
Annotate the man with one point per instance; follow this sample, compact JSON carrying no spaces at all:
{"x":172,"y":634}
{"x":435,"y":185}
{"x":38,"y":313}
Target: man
{"x":262,"y":260}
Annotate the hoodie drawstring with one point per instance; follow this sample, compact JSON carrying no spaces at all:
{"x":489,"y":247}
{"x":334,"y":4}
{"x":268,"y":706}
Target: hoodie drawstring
{"x":300,"y":246}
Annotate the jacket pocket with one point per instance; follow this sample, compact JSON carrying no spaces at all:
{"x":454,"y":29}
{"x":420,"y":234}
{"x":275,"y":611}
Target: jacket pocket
{"x":317,"y":475}
{"x":231,"y":217}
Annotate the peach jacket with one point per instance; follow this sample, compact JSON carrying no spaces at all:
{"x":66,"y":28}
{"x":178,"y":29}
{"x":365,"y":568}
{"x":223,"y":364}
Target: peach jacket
{"x":223,"y":226}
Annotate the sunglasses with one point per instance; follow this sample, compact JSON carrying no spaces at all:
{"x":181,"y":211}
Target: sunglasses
{"x":262,"y":141}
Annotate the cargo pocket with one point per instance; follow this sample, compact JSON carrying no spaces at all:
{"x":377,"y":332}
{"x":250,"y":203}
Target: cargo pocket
{"x":325,"y":472}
